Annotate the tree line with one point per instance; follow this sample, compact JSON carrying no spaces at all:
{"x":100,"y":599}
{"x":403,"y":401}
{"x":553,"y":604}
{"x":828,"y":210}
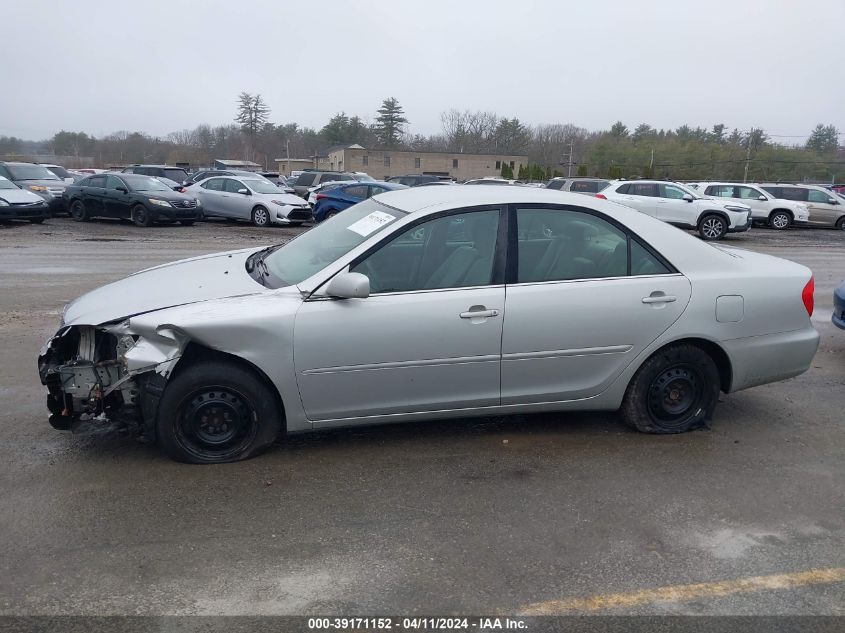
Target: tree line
{"x":684,"y":153}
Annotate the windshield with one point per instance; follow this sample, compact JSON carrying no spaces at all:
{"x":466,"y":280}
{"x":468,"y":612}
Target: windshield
{"x":364,"y":178}
{"x":31,"y":172}
{"x":7,"y":184}
{"x":179,"y":175}
{"x":260,"y":186}
{"x":312,"y":251}
{"x":144,"y":183}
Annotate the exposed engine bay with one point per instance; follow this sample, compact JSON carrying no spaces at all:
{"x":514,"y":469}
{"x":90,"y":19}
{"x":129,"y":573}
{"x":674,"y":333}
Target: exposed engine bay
{"x":106,"y":375}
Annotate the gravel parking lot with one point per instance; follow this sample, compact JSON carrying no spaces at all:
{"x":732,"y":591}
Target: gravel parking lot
{"x":501,"y":515}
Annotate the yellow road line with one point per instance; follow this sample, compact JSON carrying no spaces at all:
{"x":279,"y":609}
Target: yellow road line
{"x":679,"y":593}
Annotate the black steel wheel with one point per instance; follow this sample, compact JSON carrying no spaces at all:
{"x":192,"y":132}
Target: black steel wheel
{"x":215,"y":412}
{"x":141,"y":216}
{"x":674,"y":391}
{"x":78,"y":212}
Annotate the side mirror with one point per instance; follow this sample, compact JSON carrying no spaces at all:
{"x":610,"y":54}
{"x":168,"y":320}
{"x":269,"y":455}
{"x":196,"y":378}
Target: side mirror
{"x":349,"y":286}
{"x":687,"y":197}
{"x":832,"y":201}
{"x":762,"y":198}
{"x":123,"y":189}
{"x":244,"y":191}
{"x":185,"y":183}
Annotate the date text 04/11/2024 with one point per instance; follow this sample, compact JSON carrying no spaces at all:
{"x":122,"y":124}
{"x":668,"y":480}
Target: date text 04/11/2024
{"x":416,"y":624}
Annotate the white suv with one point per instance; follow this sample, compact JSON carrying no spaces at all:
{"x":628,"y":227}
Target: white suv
{"x":678,"y":205}
{"x":765,"y":207}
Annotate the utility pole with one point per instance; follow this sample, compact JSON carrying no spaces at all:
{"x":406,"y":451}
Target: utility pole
{"x":651,"y":162}
{"x":569,"y":170}
{"x":747,"y":160}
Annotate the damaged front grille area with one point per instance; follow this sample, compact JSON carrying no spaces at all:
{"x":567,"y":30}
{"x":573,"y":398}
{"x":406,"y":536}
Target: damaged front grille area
{"x":87,"y":380}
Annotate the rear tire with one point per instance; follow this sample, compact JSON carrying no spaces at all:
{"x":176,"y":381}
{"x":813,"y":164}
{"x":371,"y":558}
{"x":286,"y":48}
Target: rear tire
{"x":840,"y":223}
{"x":260,"y":217}
{"x":780,"y":220}
{"x":216,"y":411}
{"x":187,"y":222}
{"x":674,"y":391}
{"x":141,"y":216}
{"x":78,"y":212}
{"x":330,"y":214}
{"x":712,"y":227}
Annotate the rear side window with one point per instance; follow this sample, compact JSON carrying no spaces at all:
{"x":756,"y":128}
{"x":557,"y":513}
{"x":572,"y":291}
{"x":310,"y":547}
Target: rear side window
{"x":623,"y":189}
{"x":556,"y":184}
{"x":644,"y":263}
{"x":648,"y":189}
{"x":794,"y":193}
{"x":748,"y":193}
{"x":97,"y":181}
{"x":356,"y":191}
{"x":720,"y":191}
{"x":305,"y":179}
{"x":587,"y":186}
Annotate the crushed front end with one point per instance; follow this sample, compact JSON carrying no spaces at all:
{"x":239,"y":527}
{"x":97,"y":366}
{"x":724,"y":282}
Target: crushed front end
{"x":99,"y":376}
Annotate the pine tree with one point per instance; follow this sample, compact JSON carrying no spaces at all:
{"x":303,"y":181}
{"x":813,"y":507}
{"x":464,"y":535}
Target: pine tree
{"x":390,"y":122}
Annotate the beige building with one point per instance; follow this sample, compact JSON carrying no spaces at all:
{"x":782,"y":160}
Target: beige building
{"x":382,"y":164}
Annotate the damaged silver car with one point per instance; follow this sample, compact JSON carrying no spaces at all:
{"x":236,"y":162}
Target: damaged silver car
{"x":434,"y":302}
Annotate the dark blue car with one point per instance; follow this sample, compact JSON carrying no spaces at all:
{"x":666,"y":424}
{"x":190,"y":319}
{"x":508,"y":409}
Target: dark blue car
{"x":839,"y":306}
{"x":336,"y":199}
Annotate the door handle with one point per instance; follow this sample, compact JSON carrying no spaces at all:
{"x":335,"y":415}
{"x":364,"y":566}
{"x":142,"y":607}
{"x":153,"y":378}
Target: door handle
{"x":659,"y":298}
{"x":479,"y":314}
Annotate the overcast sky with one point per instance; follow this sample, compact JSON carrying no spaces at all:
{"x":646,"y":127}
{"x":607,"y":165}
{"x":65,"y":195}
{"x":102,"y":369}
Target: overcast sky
{"x":159,"y":66}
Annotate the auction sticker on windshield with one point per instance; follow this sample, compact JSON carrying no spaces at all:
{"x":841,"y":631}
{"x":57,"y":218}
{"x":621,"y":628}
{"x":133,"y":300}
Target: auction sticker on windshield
{"x":370,"y":223}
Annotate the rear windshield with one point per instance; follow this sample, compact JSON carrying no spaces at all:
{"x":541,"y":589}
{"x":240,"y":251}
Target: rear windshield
{"x":179,"y":175}
{"x":31,"y":172}
{"x":555,"y":184}
{"x":61,"y":172}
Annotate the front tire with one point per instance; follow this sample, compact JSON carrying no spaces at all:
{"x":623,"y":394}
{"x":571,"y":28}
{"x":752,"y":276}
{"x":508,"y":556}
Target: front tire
{"x":260,"y":217}
{"x":712,"y":227}
{"x":840,"y":223}
{"x":187,"y":222}
{"x":78,"y":212}
{"x":674,"y":391}
{"x":780,"y":220}
{"x":141,"y":216}
{"x":216,"y":411}
{"x":36,"y":220}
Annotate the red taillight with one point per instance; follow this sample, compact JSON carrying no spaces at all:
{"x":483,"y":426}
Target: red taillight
{"x":601,"y":196}
{"x":320,"y":196}
{"x":807,"y":295}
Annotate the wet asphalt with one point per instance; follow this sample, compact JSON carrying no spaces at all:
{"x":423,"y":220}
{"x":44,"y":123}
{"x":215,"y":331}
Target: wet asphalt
{"x":463,"y":516}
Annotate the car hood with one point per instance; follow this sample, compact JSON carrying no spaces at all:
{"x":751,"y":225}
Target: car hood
{"x":52,"y":184}
{"x":215,"y":276}
{"x":19,"y":196}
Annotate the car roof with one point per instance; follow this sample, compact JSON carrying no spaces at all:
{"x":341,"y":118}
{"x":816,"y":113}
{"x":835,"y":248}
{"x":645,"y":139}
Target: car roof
{"x":417,"y":199}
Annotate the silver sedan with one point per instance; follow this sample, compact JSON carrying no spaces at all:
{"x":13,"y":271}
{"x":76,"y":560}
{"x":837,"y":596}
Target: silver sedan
{"x":254,"y":199}
{"x":431,"y":302}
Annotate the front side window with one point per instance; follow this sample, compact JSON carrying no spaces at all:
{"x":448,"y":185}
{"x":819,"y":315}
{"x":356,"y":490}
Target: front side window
{"x":560,"y":245}
{"x":230,"y":185}
{"x":671,"y":192}
{"x":96,"y":181}
{"x":113,"y":182}
{"x":818,"y":196}
{"x":453,"y":251}
{"x":748,"y":193}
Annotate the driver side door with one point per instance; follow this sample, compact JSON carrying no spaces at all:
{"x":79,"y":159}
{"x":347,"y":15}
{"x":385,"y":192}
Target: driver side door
{"x":428,"y":338}
{"x":672,"y":208}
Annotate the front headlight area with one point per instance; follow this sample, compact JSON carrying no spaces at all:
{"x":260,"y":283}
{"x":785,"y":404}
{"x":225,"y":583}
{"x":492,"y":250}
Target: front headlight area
{"x":86,"y":375}
{"x":159,"y":203}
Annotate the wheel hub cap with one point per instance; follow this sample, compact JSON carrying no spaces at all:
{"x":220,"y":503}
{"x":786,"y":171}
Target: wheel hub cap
{"x":673,"y":393}
{"x":215,"y":420}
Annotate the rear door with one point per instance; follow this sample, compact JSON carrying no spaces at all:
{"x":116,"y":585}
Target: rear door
{"x":642,"y":196}
{"x":210,"y":193}
{"x":586,"y":298}
{"x":93,"y":196}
